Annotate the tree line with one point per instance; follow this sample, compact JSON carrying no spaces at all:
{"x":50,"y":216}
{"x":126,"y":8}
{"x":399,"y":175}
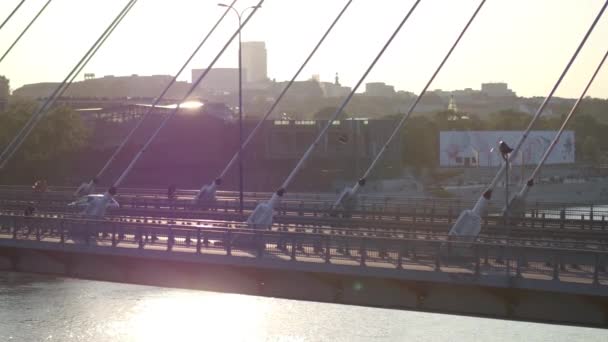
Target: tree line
{"x":59,"y":132}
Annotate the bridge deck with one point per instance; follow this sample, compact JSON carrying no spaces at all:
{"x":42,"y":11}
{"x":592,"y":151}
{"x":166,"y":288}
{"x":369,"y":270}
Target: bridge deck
{"x":492,"y":263}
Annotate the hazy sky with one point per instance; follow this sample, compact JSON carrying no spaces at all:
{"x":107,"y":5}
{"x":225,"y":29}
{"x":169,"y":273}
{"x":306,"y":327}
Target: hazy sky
{"x":525,"y":43}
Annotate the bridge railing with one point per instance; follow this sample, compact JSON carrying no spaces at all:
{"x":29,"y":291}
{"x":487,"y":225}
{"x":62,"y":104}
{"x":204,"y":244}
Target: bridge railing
{"x":536,"y":228}
{"x":490,"y":257}
{"x":390,"y":205}
{"x":421,"y":207}
{"x":420,"y":221}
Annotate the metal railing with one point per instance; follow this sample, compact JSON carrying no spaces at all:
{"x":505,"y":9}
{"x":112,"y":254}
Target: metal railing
{"x":417,"y":219}
{"x":388,"y":203}
{"x":487,"y":257}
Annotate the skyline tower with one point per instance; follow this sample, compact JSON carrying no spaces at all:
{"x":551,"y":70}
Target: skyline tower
{"x":255,"y":61}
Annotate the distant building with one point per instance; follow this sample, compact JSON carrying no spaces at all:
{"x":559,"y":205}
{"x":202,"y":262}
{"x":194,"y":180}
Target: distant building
{"x":110,"y":86}
{"x":219,"y":80}
{"x":305,"y":90}
{"x":379,"y":89}
{"x":4,"y":92}
{"x":497,"y":90}
{"x":334,"y":89}
{"x":255,"y":62}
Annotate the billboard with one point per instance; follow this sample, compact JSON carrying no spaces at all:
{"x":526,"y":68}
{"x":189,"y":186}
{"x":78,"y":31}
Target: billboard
{"x":479,"y":148}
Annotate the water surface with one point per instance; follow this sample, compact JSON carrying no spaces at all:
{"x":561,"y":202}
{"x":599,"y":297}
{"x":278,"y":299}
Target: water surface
{"x":45,"y":308}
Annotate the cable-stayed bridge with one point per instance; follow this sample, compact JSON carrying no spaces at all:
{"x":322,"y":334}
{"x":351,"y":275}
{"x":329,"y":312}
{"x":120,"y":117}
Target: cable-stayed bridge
{"x":396,"y":250}
{"x":535,"y":261}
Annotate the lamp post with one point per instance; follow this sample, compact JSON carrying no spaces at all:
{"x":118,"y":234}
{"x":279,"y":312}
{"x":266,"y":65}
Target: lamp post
{"x":505,"y":151}
{"x":239,"y":15}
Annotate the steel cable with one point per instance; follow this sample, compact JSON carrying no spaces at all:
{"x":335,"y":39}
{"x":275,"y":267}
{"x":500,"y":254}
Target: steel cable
{"x":161,"y":96}
{"x":415,"y":103}
{"x":284,"y":91}
{"x":195,"y":85}
{"x":14,"y":145}
{"x":333,"y":117}
{"x":24,"y":30}
{"x":11,"y":14}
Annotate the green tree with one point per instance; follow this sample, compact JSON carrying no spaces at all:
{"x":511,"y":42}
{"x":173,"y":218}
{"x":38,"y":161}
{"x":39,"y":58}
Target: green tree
{"x":591,"y":150}
{"x":595,"y":107}
{"x":4,"y":89}
{"x":508,"y":120}
{"x":326,"y":112}
{"x":590,"y":134}
{"x":60,"y":132}
{"x":420,"y":143}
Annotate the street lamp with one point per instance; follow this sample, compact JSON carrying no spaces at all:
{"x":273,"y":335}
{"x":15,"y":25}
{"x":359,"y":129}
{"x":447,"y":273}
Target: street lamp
{"x":505,"y":150}
{"x":239,"y":15}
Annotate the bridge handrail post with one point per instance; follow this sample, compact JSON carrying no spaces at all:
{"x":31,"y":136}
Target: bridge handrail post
{"x":415,"y":216}
{"x":61,"y":232}
{"x":259,"y":243}
{"x":518,"y":266}
{"x":401,"y":249}
{"x":199,"y":245}
{"x":450,"y":213}
{"x":596,"y":270}
{"x":114,"y":243}
{"x":15,"y":227}
{"x":327,"y":249}
{"x":508,"y":253}
{"x":437,"y":257}
{"x":140,"y":238}
{"x":86,"y":231}
{"x":477,"y":261}
{"x":543,"y":221}
{"x":206,"y":239}
{"x":412,"y":249}
{"x":37,"y":232}
{"x":228,"y":242}
{"x":362,"y":252}
{"x":170,"y":239}
{"x":555,"y":267}
{"x":293,"y":248}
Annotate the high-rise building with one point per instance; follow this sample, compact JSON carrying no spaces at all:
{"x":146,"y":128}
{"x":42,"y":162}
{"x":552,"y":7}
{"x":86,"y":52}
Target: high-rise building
{"x":218,"y":80}
{"x":379,"y":89}
{"x":4,"y":92}
{"x":255,"y":62}
{"x":497,"y":90}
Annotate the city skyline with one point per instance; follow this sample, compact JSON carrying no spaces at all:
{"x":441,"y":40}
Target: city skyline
{"x":494,"y":50}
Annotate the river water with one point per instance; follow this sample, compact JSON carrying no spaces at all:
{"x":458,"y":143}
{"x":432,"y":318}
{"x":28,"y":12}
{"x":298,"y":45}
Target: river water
{"x":45,"y":308}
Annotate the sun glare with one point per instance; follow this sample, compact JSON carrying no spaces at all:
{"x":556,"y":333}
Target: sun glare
{"x":192,"y":316}
{"x":191,"y":104}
